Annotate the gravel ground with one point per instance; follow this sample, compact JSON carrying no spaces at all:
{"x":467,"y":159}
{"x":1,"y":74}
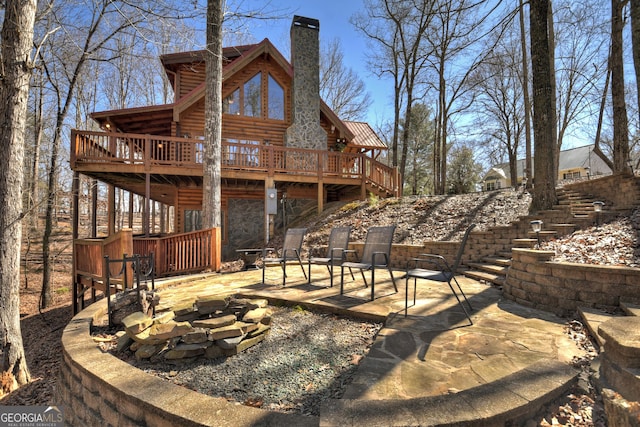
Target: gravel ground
{"x":306,"y":358}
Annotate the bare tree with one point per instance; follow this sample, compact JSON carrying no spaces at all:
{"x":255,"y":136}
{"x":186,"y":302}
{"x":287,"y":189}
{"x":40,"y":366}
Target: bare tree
{"x":454,"y":40}
{"x":418,"y":173}
{"x":340,"y":86}
{"x":396,"y":30}
{"x":17,"y":42}
{"x":86,"y":37}
{"x":544,"y":189}
{"x":500,"y":103}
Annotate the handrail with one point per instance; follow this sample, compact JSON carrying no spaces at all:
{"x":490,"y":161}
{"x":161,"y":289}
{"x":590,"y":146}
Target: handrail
{"x":182,"y":253}
{"x":88,"y":263}
{"x":187,"y":155}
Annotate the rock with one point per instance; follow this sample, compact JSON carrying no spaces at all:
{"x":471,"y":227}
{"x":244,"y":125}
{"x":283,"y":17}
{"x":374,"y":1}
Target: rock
{"x":165,"y":331}
{"x":230,"y":331}
{"x":215,"y":322}
{"x":184,"y":308}
{"x":262,"y":328}
{"x":229,"y":343}
{"x":195,"y":337}
{"x":136,"y":322}
{"x":182,"y":351}
{"x":244,"y":344}
{"x":255,"y":315}
{"x":247,"y":327}
{"x":124,"y":342}
{"x":211,"y":304}
{"x":164,"y":317}
{"x":148,"y":350}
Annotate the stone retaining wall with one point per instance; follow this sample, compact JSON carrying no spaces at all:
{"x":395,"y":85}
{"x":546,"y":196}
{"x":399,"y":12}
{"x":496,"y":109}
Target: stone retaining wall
{"x":96,"y":388}
{"x":534,"y":281}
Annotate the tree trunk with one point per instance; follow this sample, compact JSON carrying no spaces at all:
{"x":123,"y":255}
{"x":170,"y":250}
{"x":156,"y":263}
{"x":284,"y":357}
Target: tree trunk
{"x":211,"y":197}
{"x":527,"y":102}
{"x":552,"y":81}
{"x":17,"y":39}
{"x":38,"y":126}
{"x":544,"y":191}
{"x":620,"y":121}
{"x":635,"y":41}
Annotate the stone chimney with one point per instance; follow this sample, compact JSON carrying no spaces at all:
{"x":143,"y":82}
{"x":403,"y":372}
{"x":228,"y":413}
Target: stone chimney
{"x":305,"y":132}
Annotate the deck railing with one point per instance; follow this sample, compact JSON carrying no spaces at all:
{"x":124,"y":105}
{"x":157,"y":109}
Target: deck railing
{"x":89,"y":265}
{"x":182,"y":253}
{"x":186,"y":155}
{"x":176,"y":254}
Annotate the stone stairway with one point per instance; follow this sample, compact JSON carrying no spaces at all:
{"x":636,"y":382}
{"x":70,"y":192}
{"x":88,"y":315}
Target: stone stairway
{"x":573,"y":211}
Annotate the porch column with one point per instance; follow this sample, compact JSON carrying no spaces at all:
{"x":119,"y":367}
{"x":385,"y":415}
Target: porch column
{"x":75,"y":188}
{"x":111,"y":201}
{"x":147,"y":203}
{"x":163,"y":225}
{"x":320,"y":196}
{"x":269,"y":223}
{"x":131,"y":196}
{"x":94,"y":208}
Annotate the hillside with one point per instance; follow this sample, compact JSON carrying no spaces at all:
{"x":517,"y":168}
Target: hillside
{"x":420,"y":219}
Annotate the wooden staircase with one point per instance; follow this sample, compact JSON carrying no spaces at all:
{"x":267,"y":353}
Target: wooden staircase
{"x":573,"y":211}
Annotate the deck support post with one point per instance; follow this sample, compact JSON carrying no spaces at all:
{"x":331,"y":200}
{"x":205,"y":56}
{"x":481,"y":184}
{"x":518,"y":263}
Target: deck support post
{"x":111,"y":209}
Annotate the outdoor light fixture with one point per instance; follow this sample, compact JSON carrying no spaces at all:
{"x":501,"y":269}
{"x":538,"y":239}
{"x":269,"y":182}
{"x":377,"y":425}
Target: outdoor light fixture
{"x":597,"y":208}
{"x":536,"y":226}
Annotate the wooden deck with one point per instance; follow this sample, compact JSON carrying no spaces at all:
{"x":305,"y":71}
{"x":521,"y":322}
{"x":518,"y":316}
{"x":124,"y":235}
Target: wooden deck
{"x":115,"y":155}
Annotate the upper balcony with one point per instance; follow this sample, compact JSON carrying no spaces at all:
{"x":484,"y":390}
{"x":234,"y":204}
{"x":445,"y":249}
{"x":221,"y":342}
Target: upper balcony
{"x":125,"y":159}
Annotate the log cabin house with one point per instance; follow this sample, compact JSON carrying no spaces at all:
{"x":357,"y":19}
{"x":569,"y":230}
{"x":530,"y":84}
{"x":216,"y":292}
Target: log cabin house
{"x":283,"y":149}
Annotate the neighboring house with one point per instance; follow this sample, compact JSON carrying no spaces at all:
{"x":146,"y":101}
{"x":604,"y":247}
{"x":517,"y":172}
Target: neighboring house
{"x":574,"y":163}
{"x":283,"y":149}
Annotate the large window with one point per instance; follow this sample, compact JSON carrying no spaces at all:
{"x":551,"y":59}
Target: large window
{"x":231,"y":104}
{"x":247,"y":100}
{"x":276,"y":100}
{"x":252,"y":96}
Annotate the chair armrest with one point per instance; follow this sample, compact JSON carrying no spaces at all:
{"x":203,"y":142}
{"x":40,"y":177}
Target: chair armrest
{"x":338,"y":253}
{"x":346,"y":252}
{"x":377,"y":255}
{"x":438,"y":260}
{"x":265,"y":251}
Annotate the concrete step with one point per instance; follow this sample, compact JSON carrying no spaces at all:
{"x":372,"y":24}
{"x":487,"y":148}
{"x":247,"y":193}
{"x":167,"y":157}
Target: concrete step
{"x":501,"y":402}
{"x":504,"y":261}
{"x":563,"y":229}
{"x":488,"y":268}
{"x":525,"y":243}
{"x":496,"y":279}
{"x":592,"y":318}
{"x":629,"y":308}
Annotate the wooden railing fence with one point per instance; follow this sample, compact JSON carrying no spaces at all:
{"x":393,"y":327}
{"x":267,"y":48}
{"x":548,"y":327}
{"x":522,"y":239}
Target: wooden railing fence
{"x":186,"y":155}
{"x":176,"y":254}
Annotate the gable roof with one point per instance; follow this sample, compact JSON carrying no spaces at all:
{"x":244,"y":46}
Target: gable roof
{"x":571,"y":158}
{"x":364,"y":136}
{"x":235,"y":59}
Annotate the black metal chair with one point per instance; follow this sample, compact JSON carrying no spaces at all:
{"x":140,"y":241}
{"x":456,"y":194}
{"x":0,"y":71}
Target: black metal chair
{"x":291,"y":250}
{"x":338,"y":244}
{"x":443,"y":272}
{"x":375,"y":254}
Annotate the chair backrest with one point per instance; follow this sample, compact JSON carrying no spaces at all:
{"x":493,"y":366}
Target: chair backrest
{"x":379,"y":239}
{"x":338,"y":239}
{"x":292,"y":245}
{"x":456,"y":263}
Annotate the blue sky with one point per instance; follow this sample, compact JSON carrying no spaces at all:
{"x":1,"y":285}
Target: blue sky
{"x":334,"y":23}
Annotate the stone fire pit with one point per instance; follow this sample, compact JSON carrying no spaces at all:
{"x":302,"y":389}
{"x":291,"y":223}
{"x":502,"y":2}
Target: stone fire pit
{"x":210,"y":326}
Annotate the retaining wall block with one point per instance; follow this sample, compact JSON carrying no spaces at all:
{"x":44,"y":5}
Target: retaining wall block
{"x":569,"y":273}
